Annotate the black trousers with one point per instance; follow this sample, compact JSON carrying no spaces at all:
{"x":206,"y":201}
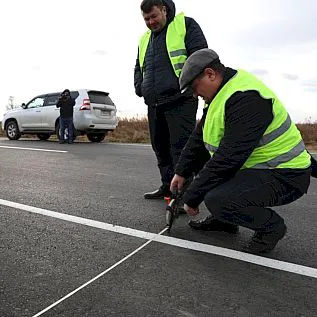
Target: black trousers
{"x":170,"y":127}
{"x":244,"y":200}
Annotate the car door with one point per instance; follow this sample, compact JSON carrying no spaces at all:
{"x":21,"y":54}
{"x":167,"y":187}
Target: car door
{"x":31,"y":117}
{"x":50,"y":113}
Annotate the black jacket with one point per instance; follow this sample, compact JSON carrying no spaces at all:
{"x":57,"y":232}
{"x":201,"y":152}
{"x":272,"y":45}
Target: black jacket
{"x":66,"y":107}
{"x":247,"y":116}
{"x":160,"y":84}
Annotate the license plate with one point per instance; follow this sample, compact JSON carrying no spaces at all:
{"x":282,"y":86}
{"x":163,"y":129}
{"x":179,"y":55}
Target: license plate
{"x":105,"y":113}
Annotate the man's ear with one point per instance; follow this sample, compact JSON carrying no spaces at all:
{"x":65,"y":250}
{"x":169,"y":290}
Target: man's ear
{"x":164,"y":10}
{"x":210,"y":73}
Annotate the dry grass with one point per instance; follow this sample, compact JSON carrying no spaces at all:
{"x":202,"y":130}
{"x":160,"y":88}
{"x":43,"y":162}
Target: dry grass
{"x":309,"y":134}
{"x":135,"y":130}
{"x":132,"y":130}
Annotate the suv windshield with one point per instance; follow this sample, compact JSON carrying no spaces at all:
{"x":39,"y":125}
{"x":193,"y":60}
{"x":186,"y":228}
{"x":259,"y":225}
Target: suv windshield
{"x":100,"y":97}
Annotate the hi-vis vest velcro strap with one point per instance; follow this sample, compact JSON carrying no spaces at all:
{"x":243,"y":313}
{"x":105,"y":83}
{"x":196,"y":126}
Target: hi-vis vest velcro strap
{"x":175,"y":44}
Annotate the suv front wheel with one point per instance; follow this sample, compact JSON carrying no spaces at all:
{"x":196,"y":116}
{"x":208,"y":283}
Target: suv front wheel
{"x":12,"y":130}
{"x":96,"y":137}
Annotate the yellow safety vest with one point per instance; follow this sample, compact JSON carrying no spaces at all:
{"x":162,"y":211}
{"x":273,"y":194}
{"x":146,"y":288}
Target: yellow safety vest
{"x":281,"y":145}
{"x":175,"y":43}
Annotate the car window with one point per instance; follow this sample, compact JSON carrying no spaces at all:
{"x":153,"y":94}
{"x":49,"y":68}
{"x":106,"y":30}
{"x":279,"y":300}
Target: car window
{"x":36,"y":103}
{"x":51,"y":100}
{"x":74,"y":94}
{"x":100,"y":97}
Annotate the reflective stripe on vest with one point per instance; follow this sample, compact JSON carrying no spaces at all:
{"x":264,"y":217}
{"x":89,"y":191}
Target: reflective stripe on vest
{"x":281,"y":145}
{"x":266,"y":138}
{"x":175,"y":43}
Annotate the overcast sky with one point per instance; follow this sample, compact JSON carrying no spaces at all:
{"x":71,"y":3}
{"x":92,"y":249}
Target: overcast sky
{"x":48,"y":46}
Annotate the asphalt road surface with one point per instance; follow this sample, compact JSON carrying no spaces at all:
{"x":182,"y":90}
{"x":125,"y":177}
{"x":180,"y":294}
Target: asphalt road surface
{"x":78,"y":239}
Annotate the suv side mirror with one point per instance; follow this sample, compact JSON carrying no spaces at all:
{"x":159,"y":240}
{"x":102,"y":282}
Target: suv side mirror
{"x":23,"y":106}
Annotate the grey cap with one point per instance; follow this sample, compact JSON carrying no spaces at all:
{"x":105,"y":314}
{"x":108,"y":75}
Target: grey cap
{"x":194,"y":65}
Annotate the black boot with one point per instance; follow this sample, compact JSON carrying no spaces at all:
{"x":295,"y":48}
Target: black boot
{"x":264,"y":242}
{"x":159,"y":193}
{"x":211,"y":224}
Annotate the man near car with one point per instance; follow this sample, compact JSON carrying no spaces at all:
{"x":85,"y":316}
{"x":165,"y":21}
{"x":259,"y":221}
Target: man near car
{"x":162,"y":52}
{"x":66,"y":104}
{"x":246,"y":151}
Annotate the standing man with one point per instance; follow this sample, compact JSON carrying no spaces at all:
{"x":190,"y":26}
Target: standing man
{"x":162,"y":52}
{"x":248,"y":153}
{"x":66,"y":104}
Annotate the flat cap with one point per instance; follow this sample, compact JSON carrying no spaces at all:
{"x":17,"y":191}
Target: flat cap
{"x":195,"y":64}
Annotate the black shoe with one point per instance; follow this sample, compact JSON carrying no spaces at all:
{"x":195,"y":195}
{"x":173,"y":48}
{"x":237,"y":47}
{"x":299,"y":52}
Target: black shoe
{"x":264,"y":242}
{"x":211,"y":224}
{"x":70,"y":142}
{"x":62,"y":142}
{"x":159,"y":193}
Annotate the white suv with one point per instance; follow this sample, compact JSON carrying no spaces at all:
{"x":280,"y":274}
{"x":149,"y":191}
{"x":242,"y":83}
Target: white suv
{"x":94,"y":114}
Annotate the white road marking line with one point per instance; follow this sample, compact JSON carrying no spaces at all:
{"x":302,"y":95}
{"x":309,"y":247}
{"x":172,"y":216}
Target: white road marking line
{"x":96,"y":277}
{"x":103,"y":174}
{"x":31,"y":149}
{"x":129,"y":144}
{"x":196,"y":246}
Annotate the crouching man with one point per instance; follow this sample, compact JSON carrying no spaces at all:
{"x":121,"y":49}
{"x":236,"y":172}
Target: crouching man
{"x":247,"y":153}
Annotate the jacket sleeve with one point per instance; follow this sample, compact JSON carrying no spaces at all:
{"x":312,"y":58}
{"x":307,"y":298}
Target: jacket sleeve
{"x":313,"y":165}
{"x":195,"y":38}
{"x":247,"y":116}
{"x":138,"y":78}
{"x":58,"y":104}
{"x":194,"y":155}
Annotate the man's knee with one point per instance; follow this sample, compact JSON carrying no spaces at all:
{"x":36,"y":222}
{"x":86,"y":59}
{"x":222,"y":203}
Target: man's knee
{"x":216,"y":202}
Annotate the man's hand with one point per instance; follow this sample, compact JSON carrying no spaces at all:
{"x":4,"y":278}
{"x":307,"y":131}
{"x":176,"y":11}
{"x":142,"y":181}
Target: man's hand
{"x":177,"y":183}
{"x":191,"y":211}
